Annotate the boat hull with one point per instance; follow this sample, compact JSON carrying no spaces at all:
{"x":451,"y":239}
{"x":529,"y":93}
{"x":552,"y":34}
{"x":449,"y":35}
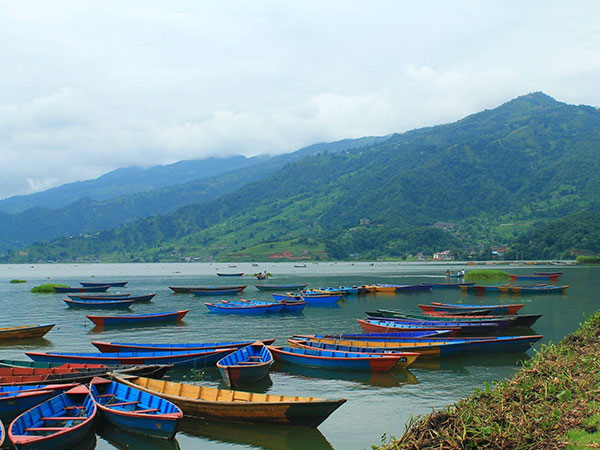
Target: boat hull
{"x":280,"y":287}
{"x":99,"y":304}
{"x":24,"y":332}
{"x":238,"y":406}
{"x":115,"y":347}
{"x":246,"y":365}
{"x":138,"y":319}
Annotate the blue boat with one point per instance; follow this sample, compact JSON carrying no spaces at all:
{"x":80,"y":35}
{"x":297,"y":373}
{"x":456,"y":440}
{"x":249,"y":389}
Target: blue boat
{"x":58,"y":423}
{"x":136,"y":298}
{"x":116,"y":347}
{"x":292,"y":306}
{"x":316,"y":299}
{"x":99,"y":304}
{"x":95,"y":283}
{"x":68,"y":289}
{"x":135,"y":410}
{"x":274,"y":307}
{"x":231,"y":291}
{"x":349,"y":290}
{"x":15,"y":400}
{"x":246,"y":309}
{"x":324,"y":359}
{"x":469,"y":329}
{"x":380,"y":336}
{"x":192,"y":358}
{"x":246,"y":365}
{"x":280,"y":287}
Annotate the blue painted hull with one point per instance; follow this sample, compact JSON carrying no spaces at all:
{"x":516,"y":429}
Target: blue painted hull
{"x":65,"y":405}
{"x":246,"y":365}
{"x":216,"y":292}
{"x":15,"y":400}
{"x":115,"y":347}
{"x":99,"y":304}
{"x":273,"y":307}
{"x":135,"y":410}
{"x":196,"y":358}
{"x":250,"y":310}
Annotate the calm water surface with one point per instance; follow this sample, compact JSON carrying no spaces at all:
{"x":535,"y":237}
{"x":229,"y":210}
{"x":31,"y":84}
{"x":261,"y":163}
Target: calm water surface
{"x":377,"y":403}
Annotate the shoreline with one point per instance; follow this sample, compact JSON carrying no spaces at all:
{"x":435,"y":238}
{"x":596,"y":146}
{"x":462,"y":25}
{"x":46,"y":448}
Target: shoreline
{"x":552,"y":402}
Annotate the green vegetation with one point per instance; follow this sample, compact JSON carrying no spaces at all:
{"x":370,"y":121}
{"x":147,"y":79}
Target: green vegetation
{"x":582,"y":259}
{"x":15,"y":280}
{"x":553,"y":399}
{"x":516,"y":176}
{"x":46,"y":288}
{"x":486,"y":275}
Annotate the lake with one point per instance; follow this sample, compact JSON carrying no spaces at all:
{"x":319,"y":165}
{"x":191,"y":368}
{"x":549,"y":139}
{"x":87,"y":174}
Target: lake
{"x":377,"y":403}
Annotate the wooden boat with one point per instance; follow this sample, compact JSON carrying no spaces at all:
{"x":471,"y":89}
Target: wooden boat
{"x":67,"y":290}
{"x":548,"y":274}
{"x":137,"y":319}
{"x":484,"y":288}
{"x":509,"y":309}
{"x":25,"y":331}
{"x":538,"y":289}
{"x":111,"y":284}
{"x":190,"y":289}
{"x":115,"y":347}
{"x":406,"y":358}
{"x":378,"y":336}
{"x":401,"y":316}
{"x":239,"y":274}
{"x":519,"y":320}
{"x":468,"y":329}
{"x":135,"y":298}
{"x":246,"y":365}
{"x":135,"y":410}
{"x":238,"y":406}
{"x":58,"y":423}
{"x":99,"y":304}
{"x":385,"y":288}
{"x":323,"y":359}
{"x":195,"y":358}
{"x":534,"y":277}
{"x":217,"y":292}
{"x":280,"y":287}
{"x":292,"y":306}
{"x":245,"y":309}
{"x":15,"y":400}
{"x":440,"y":347}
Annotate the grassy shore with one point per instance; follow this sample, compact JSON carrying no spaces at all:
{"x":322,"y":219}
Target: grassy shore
{"x":553,"y":402}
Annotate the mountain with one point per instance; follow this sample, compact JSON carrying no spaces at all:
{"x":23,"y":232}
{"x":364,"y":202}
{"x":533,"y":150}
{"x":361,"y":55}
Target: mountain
{"x":93,"y":211}
{"x":466,"y":185}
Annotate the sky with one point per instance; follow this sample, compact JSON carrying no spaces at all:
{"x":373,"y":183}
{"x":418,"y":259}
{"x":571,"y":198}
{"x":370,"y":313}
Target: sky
{"x":90,"y":86}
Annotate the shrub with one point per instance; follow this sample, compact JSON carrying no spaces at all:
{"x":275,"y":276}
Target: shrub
{"x":46,"y":288}
{"x":15,"y":280}
{"x":486,"y":275}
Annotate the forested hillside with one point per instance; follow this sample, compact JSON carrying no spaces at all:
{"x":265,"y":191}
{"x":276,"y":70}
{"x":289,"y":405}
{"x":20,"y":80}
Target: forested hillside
{"x":486,"y":178}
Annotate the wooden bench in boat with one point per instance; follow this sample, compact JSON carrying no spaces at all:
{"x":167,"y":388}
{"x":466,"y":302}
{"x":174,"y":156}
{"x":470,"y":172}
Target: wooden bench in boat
{"x":110,"y":405}
{"x":143,"y":411}
{"x":248,"y":363}
{"x":47,"y":428}
{"x":64,"y":418}
{"x":73,"y":407}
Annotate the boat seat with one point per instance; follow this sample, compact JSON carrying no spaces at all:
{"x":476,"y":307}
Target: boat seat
{"x":64,"y":418}
{"x":110,"y":405}
{"x":248,"y":362}
{"x":47,"y":428}
{"x":73,"y":407}
{"x":147,"y":410}
{"x":254,"y":357}
{"x":106,"y":395}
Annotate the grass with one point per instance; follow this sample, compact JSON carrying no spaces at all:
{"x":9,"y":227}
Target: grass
{"x":486,"y":275}
{"x":552,"y":403}
{"x":15,"y":280}
{"x":46,"y":288}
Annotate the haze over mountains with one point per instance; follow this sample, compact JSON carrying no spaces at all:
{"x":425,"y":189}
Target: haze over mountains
{"x":481,"y":181}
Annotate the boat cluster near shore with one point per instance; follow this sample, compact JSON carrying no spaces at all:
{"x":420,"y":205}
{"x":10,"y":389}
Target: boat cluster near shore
{"x":53,"y":400}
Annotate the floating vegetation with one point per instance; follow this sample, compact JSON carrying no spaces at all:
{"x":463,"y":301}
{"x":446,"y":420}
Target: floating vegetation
{"x":486,"y":275}
{"x":15,"y":280}
{"x":46,"y":288}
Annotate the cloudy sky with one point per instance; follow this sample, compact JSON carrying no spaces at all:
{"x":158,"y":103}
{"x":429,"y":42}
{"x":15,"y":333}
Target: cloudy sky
{"x":90,"y":86}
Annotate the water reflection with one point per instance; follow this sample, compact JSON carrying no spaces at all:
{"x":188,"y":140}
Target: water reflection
{"x":24,"y":343}
{"x":124,"y":440}
{"x":460,"y":364}
{"x":146,"y":326}
{"x":267,"y":436}
{"x":393,"y":378}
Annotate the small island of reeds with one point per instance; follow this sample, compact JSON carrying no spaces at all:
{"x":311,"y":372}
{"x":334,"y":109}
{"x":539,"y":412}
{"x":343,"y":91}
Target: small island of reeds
{"x":46,"y":288}
{"x":15,"y":280}
{"x":486,"y":275}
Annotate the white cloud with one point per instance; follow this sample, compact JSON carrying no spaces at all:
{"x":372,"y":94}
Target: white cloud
{"x":89,"y":87}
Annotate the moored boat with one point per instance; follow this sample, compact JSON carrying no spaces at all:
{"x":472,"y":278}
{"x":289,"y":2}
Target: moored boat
{"x":232,"y":291}
{"x":58,"y":423}
{"x":538,"y":289}
{"x":449,"y":285}
{"x":115,"y":347}
{"x":462,"y":328}
{"x":68,"y":289}
{"x":274,"y":307}
{"x":246,"y":365}
{"x":548,"y":274}
{"x":292,"y":306}
{"x":406,"y":358}
{"x":95,"y":283}
{"x":137,"y":319}
{"x":190,"y":289}
{"x":553,"y":277}
{"x":192,"y":358}
{"x":238,"y":406}
{"x":135,"y":410}
{"x":324,"y":359}
{"x":237,"y":274}
{"x":243,"y":309}
{"x":99,"y":304}
{"x":15,"y":399}
{"x":25,"y":331}
{"x":136,"y":298}
{"x":509,"y":309}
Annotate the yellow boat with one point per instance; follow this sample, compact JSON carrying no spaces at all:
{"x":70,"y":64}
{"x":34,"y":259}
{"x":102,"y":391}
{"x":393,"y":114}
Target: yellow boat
{"x":28,"y":331}
{"x":425,"y":349}
{"x":237,"y":406}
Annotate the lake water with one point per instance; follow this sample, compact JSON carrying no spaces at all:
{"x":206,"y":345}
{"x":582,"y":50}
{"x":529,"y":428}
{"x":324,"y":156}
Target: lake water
{"x":377,"y":403}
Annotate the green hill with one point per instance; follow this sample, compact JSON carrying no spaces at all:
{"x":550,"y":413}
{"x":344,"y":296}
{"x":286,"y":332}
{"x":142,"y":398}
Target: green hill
{"x":482,"y":180}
